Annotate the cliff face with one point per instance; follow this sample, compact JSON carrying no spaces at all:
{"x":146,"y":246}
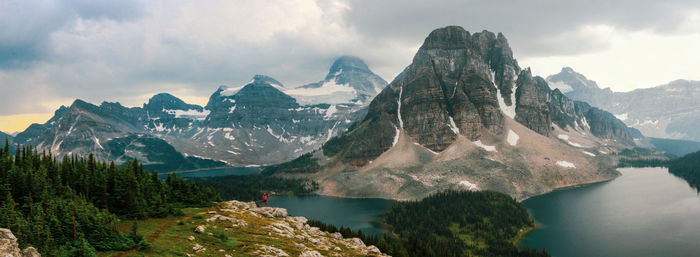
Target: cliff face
{"x":452,"y":87}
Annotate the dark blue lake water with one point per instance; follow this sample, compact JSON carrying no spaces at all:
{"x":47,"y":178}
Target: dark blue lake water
{"x":645,"y":212}
{"x":216,"y":172}
{"x":353,"y":213}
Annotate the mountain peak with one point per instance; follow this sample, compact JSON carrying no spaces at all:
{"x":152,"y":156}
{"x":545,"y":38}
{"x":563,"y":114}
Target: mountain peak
{"x":447,"y":37}
{"x":264,"y":79}
{"x":347,"y":63}
{"x":569,"y":80}
{"x":567,"y":70}
{"x":167,"y":101}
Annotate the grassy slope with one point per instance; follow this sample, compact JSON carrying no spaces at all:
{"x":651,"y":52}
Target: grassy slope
{"x":168,"y":237}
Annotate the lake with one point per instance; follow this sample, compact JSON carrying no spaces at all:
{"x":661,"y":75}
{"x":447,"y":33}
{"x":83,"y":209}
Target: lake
{"x":645,"y":212}
{"x":215,"y":172}
{"x":353,"y":213}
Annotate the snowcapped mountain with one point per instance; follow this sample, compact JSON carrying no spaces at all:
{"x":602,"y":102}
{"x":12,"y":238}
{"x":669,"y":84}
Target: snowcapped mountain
{"x":463,"y":115}
{"x":258,"y":123}
{"x":349,"y":80}
{"x":111,"y":132}
{"x":669,"y":111}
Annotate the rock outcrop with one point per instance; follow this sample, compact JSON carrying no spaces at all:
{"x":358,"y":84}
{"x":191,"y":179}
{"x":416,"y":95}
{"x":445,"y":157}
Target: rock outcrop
{"x":10,"y":248}
{"x":270,"y":232}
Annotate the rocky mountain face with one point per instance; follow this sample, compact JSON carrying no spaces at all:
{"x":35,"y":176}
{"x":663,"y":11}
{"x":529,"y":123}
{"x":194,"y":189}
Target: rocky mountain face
{"x":259,"y":124}
{"x":669,"y":111}
{"x":447,"y":91}
{"x":10,"y":248}
{"x":539,"y":108}
{"x":255,"y":124}
{"x":460,"y":85}
{"x":349,"y":80}
{"x":114,"y":132}
{"x":464,"y":103}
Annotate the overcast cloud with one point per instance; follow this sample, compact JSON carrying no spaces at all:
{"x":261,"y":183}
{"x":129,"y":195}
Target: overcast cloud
{"x":52,"y":52}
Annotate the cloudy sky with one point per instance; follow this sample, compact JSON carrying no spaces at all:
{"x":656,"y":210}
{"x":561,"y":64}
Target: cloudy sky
{"x":52,"y":52}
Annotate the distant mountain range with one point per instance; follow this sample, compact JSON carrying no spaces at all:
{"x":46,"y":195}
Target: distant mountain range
{"x":666,"y":111}
{"x":464,"y":115}
{"x":259,"y":123}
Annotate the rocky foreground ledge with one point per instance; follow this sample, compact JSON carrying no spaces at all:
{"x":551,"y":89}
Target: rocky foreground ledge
{"x":10,"y":248}
{"x":275,"y":233}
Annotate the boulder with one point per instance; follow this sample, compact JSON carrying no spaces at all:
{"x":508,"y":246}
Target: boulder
{"x":311,"y":254}
{"x":200,"y":229}
{"x":10,"y":247}
{"x":271,"y":212}
{"x":198,"y":248}
{"x":371,"y":250}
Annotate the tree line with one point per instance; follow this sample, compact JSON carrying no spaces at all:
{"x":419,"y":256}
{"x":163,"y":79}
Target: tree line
{"x":688,"y":168}
{"x":72,"y":207}
{"x":451,"y":224}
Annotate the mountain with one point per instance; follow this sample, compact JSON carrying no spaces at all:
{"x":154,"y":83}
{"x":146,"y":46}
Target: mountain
{"x":4,"y":135}
{"x":113,"y":132}
{"x":349,"y":80}
{"x":687,"y":168}
{"x":668,"y":111}
{"x":675,"y":146}
{"x":258,"y":123}
{"x":463,"y":115}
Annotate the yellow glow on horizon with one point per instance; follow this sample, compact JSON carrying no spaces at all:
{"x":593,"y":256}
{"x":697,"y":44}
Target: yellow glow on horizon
{"x":20,"y":122}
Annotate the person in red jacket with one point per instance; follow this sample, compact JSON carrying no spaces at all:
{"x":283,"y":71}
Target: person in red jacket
{"x":265,"y":199}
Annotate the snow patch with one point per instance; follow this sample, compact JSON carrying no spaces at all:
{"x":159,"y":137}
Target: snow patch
{"x":229,"y":91}
{"x":398,"y":112}
{"x":396,"y":137}
{"x":563,"y":87}
{"x":97,"y":142}
{"x":327,"y":88}
{"x":512,"y":138}
{"x":622,"y":117}
{"x":189,"y":114}
{"x":331,"y":110}
{"x":468,"y":185}
{"x":566,"y":164}
{"x":489,"y":148}
{"x":507,"y":110}
{"x":453,"y":126}
{"x":589,"y":153}
{"x":566,"y":138}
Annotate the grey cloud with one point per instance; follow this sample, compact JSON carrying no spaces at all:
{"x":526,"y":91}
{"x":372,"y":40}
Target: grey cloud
{"x":529,"y":25}
{"x":27,"y":25}
{"x":142,"y":55}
